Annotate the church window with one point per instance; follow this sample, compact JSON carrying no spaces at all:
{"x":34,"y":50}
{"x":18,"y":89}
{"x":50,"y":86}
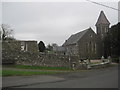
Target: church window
{"x":86,"y":47}
{"x":101,"y":35}
{"x":101,"y":30}
{"x":95,"y":48}
{"x":106,"y":29}
{"x":92,"y":45}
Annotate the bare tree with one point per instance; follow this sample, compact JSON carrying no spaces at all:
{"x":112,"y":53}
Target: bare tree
{"x":6,"y":32}
{"x":0,"y":33}
{"x":54,"y":45}
{"x":49,"y":47}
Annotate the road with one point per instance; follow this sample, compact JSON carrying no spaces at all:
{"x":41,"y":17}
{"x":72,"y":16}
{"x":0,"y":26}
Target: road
{"x":97,"y":78}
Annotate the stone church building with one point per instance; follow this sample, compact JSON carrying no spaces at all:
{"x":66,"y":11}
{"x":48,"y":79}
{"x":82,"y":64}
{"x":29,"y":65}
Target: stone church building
{"x":87,"y":43}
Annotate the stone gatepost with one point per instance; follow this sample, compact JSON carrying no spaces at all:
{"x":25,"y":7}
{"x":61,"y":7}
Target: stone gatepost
{"x":103,"y":59}
{"x":73,"y":65}
{"x":88,"y":64}
{"x":109,"y":58}
{"x":69,"y":62}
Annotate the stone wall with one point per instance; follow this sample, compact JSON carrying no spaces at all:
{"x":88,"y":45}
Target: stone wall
{"x":0,"y":52}
{"x":13,"y":53}
{"x":12,"y":50}
{"x":106,"y":63}
{"x":17,"y":45}
{"x":48,"y":60}
{"x":38,"y":59}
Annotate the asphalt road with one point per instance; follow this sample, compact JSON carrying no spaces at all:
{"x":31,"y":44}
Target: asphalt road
{"x":99,"y":78}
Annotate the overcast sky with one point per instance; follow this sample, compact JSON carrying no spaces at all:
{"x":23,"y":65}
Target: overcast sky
{"x":53,"y":22}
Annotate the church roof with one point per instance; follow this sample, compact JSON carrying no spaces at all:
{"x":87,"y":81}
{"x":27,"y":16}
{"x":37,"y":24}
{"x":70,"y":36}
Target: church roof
{"x":102,"y":19}
{"x":75,"y":37}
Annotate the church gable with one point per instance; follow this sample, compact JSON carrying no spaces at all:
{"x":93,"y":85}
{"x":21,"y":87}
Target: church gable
{"x":85,"y":44}
{"x":73,"y":39}
{"x":90,"y":34}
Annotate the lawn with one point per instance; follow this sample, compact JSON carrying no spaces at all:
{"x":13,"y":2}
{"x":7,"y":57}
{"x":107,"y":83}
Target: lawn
{"x":0,"y":72}
{"x":25,"y":70}
{"x":36,"y":67}
{"x":26,"y":73}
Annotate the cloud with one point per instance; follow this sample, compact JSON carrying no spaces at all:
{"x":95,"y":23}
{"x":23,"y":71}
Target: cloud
{"x":53,"y":21}
{"x":119,"y":11}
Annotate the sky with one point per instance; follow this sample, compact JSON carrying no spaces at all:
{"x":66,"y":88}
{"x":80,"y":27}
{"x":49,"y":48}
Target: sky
{"x":119,"y":12}
{"x":54,"y":22}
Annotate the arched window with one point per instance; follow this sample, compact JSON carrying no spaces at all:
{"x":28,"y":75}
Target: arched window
{"x":102,"y":35}
{"x":90,"y":47}
{"x":95,"y":48}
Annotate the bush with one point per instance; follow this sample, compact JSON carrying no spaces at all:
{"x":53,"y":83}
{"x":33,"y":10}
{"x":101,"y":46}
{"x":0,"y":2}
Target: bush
{"x":116,"y":60}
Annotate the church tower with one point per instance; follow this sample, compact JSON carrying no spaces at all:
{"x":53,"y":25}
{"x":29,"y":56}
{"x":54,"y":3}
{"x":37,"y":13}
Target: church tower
{"x":102,"y":25}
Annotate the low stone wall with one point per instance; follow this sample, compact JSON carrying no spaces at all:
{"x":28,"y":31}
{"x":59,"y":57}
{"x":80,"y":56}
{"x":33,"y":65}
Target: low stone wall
{"x":47,"y":60}
{"x":37,"y":59}
{"x":100,"y":65}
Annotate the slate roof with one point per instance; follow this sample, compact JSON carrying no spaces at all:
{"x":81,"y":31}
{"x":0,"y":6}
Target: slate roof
{"x":59,"y":48}
{"x":75,"y":37}
{"x":102,"y":19}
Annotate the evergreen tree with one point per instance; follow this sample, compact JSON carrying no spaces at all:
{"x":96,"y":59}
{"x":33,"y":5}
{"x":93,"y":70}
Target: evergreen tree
{"x":112,"y":42}
{"x":41,"y":46}
{"x":115,"y":43}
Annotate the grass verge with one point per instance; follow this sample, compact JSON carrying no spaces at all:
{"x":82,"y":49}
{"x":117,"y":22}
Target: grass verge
{"x":36,"y":67}
{"x":26,"y":73}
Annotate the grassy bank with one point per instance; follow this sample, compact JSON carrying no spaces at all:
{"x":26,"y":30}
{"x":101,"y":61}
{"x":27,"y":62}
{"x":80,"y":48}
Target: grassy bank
{"x":0,"y":72}
{"x":25,"y":70}
{"x":36,"y":67}
{"x":26,"y":73}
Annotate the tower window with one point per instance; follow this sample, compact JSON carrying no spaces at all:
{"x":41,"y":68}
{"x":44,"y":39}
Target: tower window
{"x":106,"y":30}
{"x":90,"y":35}
{"x":101,"y":35}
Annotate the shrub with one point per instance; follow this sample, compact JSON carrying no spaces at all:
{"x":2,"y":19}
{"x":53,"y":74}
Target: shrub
{"x":116,"y":60}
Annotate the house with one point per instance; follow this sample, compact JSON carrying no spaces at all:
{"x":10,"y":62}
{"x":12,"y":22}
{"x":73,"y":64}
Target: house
{"x":87,"y":43}
{"x":59,"y":50}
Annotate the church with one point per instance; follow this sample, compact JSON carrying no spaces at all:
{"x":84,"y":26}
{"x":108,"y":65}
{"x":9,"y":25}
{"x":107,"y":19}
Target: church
{"x":87,"y":44}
